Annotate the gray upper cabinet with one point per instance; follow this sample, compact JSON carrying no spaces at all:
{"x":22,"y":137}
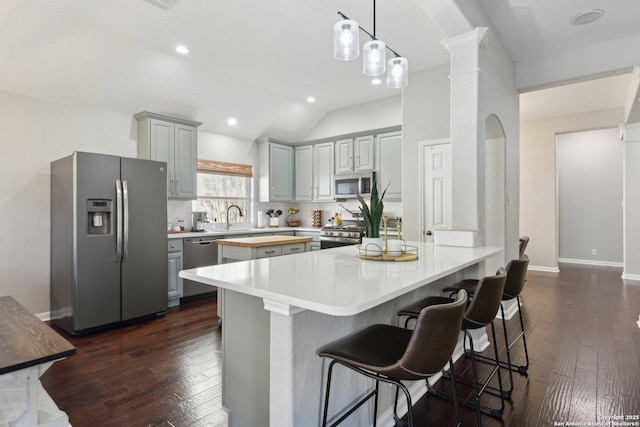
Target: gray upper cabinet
{"x":354,"y":154}
{"x":175,"y":141}
{"x":389,"y":170}
{"x":323,"y":171}
{"x":304,"y":173}
{"x":314,"y":172}
{"x":275,"y":170}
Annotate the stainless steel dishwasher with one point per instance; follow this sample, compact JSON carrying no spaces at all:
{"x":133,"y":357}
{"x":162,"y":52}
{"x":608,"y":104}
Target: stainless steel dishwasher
{"x":198,"y":252}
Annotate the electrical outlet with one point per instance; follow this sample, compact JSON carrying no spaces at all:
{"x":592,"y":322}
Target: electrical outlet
{"x":593,"y":252}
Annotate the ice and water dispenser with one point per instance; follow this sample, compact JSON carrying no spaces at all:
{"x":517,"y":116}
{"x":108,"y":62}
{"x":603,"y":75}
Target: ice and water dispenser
{"x":99,"y":216}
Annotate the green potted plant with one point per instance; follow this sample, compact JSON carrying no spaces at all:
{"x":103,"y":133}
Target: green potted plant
{"x":371,"y":216}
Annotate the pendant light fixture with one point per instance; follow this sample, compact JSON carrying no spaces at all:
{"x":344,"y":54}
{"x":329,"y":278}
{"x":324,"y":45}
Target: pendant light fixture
{"x":397,"y":73}
{"x":346,"y":47}
{"x":346,"y":40}
{"x":374,"y":58}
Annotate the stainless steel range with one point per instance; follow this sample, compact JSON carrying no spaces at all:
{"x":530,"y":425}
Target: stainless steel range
{"x":332,"y":236}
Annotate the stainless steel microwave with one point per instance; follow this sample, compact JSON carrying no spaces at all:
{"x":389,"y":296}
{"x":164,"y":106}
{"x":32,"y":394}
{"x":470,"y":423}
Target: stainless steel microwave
{"x":351,"y":185}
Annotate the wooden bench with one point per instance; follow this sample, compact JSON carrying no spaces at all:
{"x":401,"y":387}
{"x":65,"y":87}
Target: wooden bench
{"x":28,"y":346}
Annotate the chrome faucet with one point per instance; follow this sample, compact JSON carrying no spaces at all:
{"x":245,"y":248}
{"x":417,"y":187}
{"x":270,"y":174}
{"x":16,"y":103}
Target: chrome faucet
{"x":229,"y":208}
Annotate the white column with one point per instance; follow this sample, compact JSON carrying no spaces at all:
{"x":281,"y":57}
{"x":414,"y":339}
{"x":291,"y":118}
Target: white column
{"x":631,"y":203}
{"x":465,"y":95}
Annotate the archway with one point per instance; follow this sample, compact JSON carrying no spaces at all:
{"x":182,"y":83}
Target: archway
{"x":493,"y":172}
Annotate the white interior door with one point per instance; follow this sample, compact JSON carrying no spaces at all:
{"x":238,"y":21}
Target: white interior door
{"x":436,"y":183}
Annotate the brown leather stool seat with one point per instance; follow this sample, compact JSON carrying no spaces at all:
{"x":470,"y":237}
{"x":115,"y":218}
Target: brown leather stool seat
{"x":392,"y":354}
{"x":516,"y":278}
{"x":481,"y":311}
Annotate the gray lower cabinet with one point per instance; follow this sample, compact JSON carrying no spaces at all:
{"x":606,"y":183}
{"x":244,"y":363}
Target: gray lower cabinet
{"x":175,"y":265}
{"x":228,"y":253}
{"x":314,"y":245}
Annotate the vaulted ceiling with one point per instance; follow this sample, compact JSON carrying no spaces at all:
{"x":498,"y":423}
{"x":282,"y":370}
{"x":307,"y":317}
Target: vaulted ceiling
{"x":256,"y":61}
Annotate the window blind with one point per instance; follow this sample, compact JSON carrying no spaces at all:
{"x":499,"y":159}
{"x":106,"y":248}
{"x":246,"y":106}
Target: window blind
{"x":224,"y":168}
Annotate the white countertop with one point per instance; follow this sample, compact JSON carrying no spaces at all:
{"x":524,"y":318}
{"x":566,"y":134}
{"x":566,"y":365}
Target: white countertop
{"x":335,"y":281}
{"x":233,"y":231}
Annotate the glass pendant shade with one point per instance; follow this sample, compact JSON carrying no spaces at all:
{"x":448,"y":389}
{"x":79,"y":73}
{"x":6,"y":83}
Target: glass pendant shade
{"x":397,"y":72}
{"x":374,"y":58}
{"x":346,"y":41}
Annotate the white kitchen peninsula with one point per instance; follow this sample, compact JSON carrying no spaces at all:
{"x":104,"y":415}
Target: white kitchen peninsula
{"x":278,"y":311}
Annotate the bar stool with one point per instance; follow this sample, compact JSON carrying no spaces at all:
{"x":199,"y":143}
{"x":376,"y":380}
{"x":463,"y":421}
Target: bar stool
{"x":481,"y":311}
{"x":516,"y":277}
{"x":522,"y":244}
{"x":391,"y":354}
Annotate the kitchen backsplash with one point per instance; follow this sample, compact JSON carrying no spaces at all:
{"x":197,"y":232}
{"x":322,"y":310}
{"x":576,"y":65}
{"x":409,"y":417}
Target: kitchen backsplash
{"x":182,"y":210}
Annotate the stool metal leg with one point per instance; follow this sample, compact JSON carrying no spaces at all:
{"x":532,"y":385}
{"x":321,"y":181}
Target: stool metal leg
{"x":521,"y":369}
{"x":456,"y":404}
{"x":374,"y":394}
{"x":326,"y":396}
{"x":508,"y":392}
{"x":475,"y":377}
{"x":397,"y":419}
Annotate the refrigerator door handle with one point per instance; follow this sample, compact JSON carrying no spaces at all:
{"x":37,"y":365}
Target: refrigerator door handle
{"x":125,"y":199}
{"x":118,"y":220}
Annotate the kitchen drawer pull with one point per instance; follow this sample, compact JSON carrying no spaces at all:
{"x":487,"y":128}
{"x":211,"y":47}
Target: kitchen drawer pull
{"x":269,"y":252}
{"x":294,"y":249}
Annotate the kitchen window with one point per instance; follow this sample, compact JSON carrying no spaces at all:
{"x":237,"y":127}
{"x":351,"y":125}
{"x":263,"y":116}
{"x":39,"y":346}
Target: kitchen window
{"x":221,"y":185}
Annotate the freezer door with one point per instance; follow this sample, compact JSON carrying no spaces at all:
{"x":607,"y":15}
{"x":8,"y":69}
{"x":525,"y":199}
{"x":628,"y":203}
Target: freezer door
{"x":97,"y":271}
{"x":144,"y":264}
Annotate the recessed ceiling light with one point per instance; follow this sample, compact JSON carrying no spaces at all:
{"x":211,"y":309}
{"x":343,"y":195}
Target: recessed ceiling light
{"x":587,"y":17}
{"x":311,"y":99}
{"x":182,"y":49}
{"x":376,"y":81}
{"x":231,"y":121}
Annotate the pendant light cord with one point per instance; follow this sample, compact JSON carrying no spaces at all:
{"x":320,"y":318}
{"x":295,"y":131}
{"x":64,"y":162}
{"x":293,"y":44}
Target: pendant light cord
{"x":374,"y":19}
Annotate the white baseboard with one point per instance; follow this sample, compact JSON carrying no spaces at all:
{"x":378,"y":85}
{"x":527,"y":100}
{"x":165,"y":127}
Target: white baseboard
{"x":591,"y":262}
{"x":45,"y":317}
{"x":626,"y":276}
{"x":544,"y":269}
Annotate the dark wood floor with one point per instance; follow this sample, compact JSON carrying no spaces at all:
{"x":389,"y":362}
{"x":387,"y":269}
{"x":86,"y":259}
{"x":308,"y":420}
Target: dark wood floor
{"x":583,"y":340}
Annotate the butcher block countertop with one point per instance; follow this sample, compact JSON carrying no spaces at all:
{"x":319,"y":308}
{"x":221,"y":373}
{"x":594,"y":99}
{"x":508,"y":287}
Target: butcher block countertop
{"x":260,"y":241}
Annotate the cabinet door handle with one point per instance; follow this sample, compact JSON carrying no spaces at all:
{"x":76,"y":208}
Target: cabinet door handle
{"x":177,"y":186}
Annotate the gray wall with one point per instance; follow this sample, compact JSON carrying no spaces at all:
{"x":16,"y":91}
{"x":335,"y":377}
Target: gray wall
{"x":425,"y":116}
{"x":589,"y":166}
{"x":538,"y":196}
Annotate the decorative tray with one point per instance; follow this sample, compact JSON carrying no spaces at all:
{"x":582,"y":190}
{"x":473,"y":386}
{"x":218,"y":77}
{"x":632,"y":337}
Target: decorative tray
{"x":408,"y":253}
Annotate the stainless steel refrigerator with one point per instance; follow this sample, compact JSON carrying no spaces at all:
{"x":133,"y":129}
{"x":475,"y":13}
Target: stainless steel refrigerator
{"x":108,"y":240}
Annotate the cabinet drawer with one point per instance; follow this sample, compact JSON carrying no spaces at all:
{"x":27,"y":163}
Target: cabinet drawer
{"x":268,"y":251}
{"x":174,"y":245}
{"x":293,"y":248}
